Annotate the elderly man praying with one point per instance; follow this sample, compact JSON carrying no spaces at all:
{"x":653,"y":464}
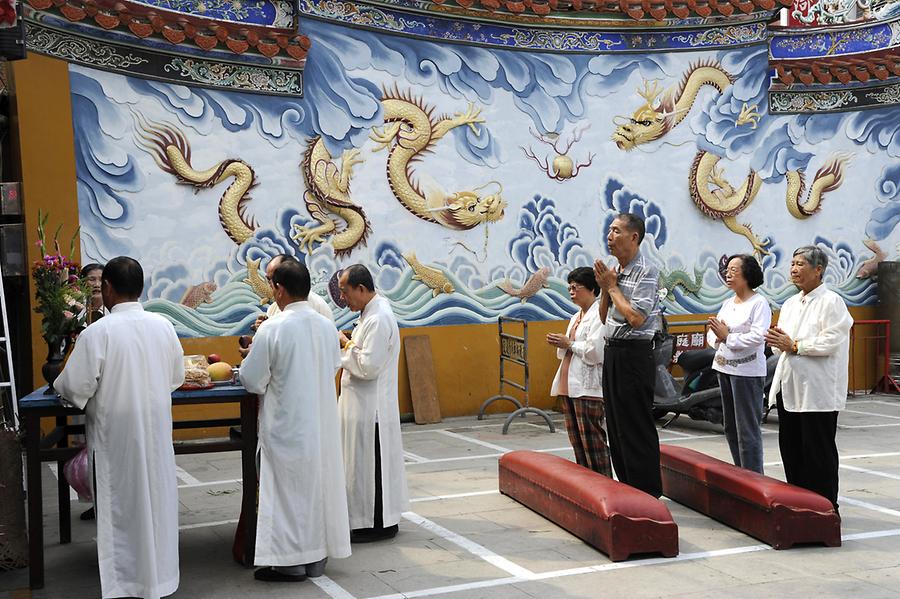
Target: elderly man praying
{"x":810,"y":383}
{"x":302,"y":501}
{"x":122,"y":373}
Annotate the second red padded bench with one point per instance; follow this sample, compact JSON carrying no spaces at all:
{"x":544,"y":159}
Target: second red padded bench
{"x":773,"y":511}
{"x":611,"y":516}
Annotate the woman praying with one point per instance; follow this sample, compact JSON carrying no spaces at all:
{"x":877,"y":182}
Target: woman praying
{"x":737,"y":333}
{"x":578,"y":382}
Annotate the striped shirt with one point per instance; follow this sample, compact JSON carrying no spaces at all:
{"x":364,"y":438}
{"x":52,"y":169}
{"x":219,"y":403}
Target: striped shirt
{"x":639,"y":283}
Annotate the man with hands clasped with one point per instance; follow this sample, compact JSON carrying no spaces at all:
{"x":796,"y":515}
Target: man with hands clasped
{"x":810,"y":382}
{"x":630,"y":308}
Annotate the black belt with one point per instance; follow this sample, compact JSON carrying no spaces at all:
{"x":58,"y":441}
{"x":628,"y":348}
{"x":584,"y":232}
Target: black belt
{"x":635,"y":343}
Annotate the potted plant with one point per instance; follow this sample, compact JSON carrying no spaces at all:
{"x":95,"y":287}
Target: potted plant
{"x":60,"y":297}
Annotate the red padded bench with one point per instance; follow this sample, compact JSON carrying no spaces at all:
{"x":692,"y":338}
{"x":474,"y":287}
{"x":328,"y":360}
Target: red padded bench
{"x":616,"y":519}
{"x":773,"y":511}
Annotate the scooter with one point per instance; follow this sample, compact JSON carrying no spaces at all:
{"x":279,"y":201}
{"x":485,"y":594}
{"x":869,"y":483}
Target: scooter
{"x":697,"y":394}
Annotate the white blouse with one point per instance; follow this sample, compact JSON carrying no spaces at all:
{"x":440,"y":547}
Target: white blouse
{"x":742,"y":352}
{"x":586,"y":366}
{"x":815,"y":378}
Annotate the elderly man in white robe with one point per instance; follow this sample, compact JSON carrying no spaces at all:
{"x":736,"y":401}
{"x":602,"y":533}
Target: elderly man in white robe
{"x":370,"y":414}
{"x":315,"y":302}
{"x":810,"y":382}
{"x":122,"y":373}
{"x":302,"y":516}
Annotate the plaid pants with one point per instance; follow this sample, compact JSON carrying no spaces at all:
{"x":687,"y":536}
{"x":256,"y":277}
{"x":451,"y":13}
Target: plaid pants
{"x":584,"y":423}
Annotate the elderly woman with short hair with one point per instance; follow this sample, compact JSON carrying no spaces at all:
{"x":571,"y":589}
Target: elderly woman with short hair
{"x":810,"y":382}
{"x":737,"y":333}
{"x":579,"y":380}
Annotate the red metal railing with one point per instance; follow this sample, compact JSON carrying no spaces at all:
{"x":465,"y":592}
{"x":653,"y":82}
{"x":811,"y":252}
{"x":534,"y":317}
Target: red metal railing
{"x":882,"y":342}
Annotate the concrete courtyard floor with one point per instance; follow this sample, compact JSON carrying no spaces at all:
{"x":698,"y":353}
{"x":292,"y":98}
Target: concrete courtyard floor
{"x":461,"y":538}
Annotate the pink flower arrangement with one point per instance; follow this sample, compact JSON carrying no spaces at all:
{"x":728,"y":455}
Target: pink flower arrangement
{"x":57,"y":288}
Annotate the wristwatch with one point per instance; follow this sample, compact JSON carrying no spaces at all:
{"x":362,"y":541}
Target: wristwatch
{"x":795,"y":347}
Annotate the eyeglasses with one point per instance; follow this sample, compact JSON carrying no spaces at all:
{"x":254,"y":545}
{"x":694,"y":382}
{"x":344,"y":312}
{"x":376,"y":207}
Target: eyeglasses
{"x":575,"y":287}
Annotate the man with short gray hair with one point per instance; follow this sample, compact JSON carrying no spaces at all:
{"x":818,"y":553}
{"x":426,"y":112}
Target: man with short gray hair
{"x":810,"y":382}
{"x":630,"y":307}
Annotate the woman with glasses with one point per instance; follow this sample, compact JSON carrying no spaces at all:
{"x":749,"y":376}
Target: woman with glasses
{"x":738,"y":335}
{"x":578,"y":382}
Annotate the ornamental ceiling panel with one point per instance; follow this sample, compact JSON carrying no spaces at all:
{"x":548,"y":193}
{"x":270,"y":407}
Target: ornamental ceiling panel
{"x":262,"y":53}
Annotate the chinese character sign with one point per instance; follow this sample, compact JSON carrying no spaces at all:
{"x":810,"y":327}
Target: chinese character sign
{"x":687,"y":342}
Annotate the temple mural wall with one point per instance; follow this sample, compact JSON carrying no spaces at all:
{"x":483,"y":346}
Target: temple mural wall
{"x":471,"y":180}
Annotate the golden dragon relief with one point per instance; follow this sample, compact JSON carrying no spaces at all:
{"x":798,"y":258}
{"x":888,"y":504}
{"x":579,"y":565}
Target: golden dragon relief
{"x":408,"y":134}
{"x":172,"y":153}
{"x":711,"y":192}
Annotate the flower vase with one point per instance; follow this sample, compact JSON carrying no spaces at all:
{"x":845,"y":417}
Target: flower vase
{"x":56,"y":354}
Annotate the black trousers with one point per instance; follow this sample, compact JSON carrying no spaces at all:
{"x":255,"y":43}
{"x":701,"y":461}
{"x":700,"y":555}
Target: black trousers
{"x":379,"y":501}
{"x":809,"y":451}
{"x":628,"y":382}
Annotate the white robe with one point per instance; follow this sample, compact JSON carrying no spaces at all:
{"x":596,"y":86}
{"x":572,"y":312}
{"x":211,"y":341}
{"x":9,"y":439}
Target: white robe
{"x":815,"y":378}
{"x":369,"y":395}
{"x":315,"y":302}
{"x":122,"y":373}
{"x":302,"y":500}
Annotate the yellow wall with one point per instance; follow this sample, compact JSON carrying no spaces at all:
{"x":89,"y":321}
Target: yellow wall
{"x":47,"y":155}
{"x":465,"y":357}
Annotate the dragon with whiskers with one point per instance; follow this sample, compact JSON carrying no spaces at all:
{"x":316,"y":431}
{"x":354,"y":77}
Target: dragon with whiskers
{"x":711,"y":192}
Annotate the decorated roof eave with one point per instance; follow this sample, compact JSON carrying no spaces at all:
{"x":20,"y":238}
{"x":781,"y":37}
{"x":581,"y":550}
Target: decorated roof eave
{"x":794,"y":43}
{"x":141,"y":21}
{"x":577,"y":12}
{"x":840,"y":70}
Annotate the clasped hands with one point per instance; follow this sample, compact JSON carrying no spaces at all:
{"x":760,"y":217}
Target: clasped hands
{"x":719,"y":328}
{"x":605,"y":276}
{"x":777,"y":338}
{"x":560,"y":341}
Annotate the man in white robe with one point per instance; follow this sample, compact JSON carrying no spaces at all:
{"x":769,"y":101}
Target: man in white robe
{"x":302,"y":501}
{"x":370,"y":414}
{"x":315,"y":302}
{"x":122,"y":373}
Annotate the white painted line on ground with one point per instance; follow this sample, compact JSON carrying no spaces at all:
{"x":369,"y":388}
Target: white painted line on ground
{"x":212,"y":483}
{"x":73,"y":496}
{"x":461,"y":458}
{"x":185,"y":477}
{"x":475,"y":441}
{"x":872,"y":472}
{"x":852,"y":426}
{"x":684,"y":557}
{"x":453,"y":496}
{"x":455,"y":588}
{"x":893,"y":404}
{"x":470,"y":546}
{"x":872,"y":414}
{"x":859,"y":456}
{"x":206,"y":524}
{"x":671,"y":432}
{"x":554,"y":449}
{"x":331,"y":588}
{"x":561,"y":429}
{"x":875,"y":534}
{"x":869,"y":506}
{"x":414,"y":457}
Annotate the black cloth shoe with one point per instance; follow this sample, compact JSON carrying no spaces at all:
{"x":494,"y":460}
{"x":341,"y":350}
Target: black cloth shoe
{"x":371,"y":535}
{"x":88,"y":514}
{"x":270,"y":574}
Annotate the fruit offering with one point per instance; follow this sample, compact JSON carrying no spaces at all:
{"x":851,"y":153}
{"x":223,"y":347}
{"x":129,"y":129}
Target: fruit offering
{"x":220,"y":371}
